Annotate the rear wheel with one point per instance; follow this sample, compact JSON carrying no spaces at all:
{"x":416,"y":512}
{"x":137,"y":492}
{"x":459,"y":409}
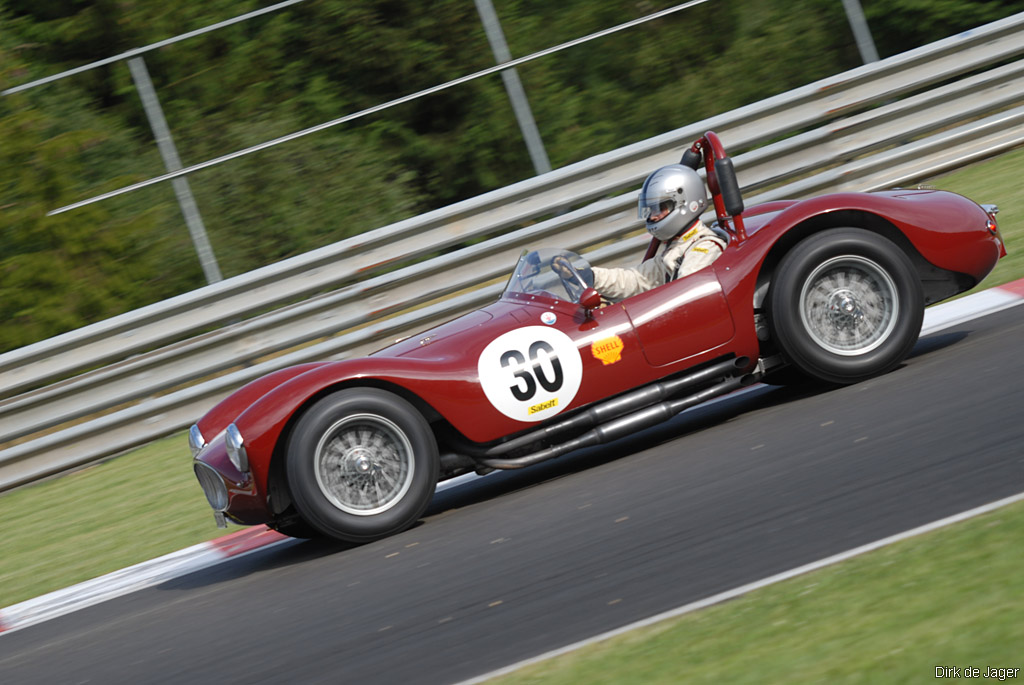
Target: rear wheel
{"x":846,"y":304}
{"x":362,"y":464}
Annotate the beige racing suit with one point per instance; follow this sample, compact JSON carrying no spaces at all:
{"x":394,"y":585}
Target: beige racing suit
{"x":691,"y":251}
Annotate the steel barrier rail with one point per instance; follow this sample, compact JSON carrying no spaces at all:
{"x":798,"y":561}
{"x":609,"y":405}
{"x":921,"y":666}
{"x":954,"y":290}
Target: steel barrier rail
{"x":160,"y":416}
{"x":818,"y":152}
{"x":324,"y":315}
{"x":327,"y":268}
{"x":320,"y":316}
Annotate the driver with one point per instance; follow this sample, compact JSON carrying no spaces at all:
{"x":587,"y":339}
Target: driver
{"x":671,"y":202}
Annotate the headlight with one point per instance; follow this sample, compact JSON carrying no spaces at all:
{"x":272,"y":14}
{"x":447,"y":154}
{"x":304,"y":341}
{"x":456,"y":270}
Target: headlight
{"x":196,"y":441}
{"x":213,"y":487}
{"x":236,"y":448}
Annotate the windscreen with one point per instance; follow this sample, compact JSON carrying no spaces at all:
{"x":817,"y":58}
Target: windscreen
{"x":534,"y":275}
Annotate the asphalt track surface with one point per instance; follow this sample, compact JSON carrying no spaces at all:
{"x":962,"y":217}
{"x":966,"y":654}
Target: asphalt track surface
{"x":523,"y":562}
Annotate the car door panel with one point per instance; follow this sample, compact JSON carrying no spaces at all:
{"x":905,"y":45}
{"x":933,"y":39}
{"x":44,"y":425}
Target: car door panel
{"x":681,"y":319}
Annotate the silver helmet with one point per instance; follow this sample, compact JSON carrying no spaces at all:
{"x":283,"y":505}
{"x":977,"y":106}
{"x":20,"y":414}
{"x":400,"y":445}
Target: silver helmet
{"x":673,"y":197}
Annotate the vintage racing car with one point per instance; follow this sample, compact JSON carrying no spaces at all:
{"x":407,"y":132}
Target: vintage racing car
{"x":831,"y":288}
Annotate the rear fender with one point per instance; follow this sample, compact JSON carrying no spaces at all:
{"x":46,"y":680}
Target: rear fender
{"x":908,"y":227}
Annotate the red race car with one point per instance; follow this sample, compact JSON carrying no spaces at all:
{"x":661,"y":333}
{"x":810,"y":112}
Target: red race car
{"x":832,"y":288}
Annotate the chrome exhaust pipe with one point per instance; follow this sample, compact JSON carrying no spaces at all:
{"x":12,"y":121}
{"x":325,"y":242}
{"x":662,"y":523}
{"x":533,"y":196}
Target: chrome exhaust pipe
{"x":609,"y":409}
{"x":631,"y":423}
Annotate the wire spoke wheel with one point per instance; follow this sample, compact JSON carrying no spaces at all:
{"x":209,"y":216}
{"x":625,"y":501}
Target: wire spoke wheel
{"x":361,"y":464}
{"x":845,"y":304}
{"x":364,"y":464}
{"x":849,"y":305}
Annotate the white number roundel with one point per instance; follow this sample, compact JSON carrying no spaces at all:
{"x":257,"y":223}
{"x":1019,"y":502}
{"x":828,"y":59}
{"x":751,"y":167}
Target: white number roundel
{"x":531,"y":373}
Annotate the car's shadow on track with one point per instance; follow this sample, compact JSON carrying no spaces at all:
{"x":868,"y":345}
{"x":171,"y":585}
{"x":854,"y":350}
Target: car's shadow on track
{"x":937,"y":341}
{"x":691,"y":421}
{"x":281,"y":555}
{"x":711,"y":414}
{"x":499,"y":483}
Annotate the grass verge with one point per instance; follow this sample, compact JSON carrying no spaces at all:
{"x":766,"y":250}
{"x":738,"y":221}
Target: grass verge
{"x":100,"y":519}
{"x":952,"y":597}
{"x":147,"y":503}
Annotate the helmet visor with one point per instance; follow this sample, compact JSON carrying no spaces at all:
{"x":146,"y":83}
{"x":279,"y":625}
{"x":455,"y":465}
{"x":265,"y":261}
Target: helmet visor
{"x":654,"y":209}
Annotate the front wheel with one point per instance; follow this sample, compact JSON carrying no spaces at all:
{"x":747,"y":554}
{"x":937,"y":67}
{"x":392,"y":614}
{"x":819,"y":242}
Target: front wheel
{"x":362,"y":464}
{"x":846,"y":304}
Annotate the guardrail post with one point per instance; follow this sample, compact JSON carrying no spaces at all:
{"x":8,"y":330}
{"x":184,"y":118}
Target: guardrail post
{"x":861,"y":32}
{"x":514,"y":87}
{"x":169,"y":153}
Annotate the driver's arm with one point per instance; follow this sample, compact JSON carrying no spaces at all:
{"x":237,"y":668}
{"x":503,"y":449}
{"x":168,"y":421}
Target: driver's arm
{"x":619,"y":283}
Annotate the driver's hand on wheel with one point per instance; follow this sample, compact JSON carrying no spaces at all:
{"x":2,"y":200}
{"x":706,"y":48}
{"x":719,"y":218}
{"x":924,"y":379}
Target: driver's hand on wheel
{"x":562,"y":266}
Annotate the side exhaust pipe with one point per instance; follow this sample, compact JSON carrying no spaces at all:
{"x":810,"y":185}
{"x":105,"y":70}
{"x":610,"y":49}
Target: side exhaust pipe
{"x":624,"y":425}
{"x":610,"y":409}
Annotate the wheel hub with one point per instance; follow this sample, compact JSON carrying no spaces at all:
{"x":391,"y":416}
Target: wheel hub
{"x":844,"y":311}
{"x":358,"y":460}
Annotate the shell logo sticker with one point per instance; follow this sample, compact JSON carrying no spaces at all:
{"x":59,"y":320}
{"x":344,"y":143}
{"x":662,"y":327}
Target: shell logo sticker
{"x":530,"y":374}
{"x":608,"y":350}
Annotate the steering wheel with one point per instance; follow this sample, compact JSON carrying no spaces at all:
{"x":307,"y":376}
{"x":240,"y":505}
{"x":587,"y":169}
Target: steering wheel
{"x":570,"y":277}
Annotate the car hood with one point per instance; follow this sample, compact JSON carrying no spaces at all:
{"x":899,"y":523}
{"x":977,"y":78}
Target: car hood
{"x":467,"y":335}
{"x":453,"y":334}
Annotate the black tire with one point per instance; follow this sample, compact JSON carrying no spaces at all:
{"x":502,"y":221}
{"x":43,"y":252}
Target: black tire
{"x":362,"y":464}
{"x":296,"y":527}
{"x":845,"y":305}
{"x":788,"y":377}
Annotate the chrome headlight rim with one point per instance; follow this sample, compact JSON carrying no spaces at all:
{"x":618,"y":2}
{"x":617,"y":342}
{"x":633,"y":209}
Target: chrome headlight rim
{"x":196,"y":441}
{"x":213,"y":486}
{"x":236,"y":448}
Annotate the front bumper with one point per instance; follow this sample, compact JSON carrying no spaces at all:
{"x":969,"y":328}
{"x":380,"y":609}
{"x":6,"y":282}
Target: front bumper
{"x":229,"y":491}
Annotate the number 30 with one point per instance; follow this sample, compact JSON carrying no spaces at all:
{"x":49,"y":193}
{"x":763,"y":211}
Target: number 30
{"x":526,"y":382}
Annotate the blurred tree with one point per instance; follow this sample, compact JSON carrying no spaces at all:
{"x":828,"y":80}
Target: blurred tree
{"x":901,"y":25}
{"x":58,"y":273}
{"x":321,"y":60}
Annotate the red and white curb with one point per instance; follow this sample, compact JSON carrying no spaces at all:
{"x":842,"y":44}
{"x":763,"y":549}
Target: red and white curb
{"x":137,"y":577}
{"x":207,"y":554}
{"x":973,"y":306}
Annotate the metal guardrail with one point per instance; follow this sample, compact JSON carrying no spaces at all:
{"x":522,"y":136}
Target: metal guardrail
{"x":872,"y":127}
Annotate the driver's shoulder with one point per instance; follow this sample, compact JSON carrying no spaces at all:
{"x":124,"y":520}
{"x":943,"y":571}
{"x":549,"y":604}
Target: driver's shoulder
{"x":699,"y":234}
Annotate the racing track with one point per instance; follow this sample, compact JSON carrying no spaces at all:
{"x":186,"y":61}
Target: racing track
{"x":520,"y":563}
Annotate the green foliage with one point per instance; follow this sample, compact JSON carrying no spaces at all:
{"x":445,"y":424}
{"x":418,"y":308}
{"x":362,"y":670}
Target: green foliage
{"x":61,"y":272}
{"x":900,"y":25}
{"x":321,"y":60}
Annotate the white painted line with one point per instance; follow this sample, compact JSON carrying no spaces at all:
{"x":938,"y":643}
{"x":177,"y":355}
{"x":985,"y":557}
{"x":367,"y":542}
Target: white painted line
{"x":967,"y":308}
{"x":456,"y":482}
{"x":750,"y":587}
{"x":106,"y":587}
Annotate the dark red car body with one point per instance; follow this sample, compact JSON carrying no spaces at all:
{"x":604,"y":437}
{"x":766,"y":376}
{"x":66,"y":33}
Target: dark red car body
{"x":685,"y":324}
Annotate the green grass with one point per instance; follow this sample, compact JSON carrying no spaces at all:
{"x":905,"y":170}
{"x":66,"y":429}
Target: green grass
{"x":137,"y":507}
{"x":954,"y":597}
{"x":147,"y":503}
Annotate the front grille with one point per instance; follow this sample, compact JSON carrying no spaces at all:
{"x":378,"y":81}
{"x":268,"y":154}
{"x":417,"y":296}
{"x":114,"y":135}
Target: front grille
{"x":213,"y":487}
